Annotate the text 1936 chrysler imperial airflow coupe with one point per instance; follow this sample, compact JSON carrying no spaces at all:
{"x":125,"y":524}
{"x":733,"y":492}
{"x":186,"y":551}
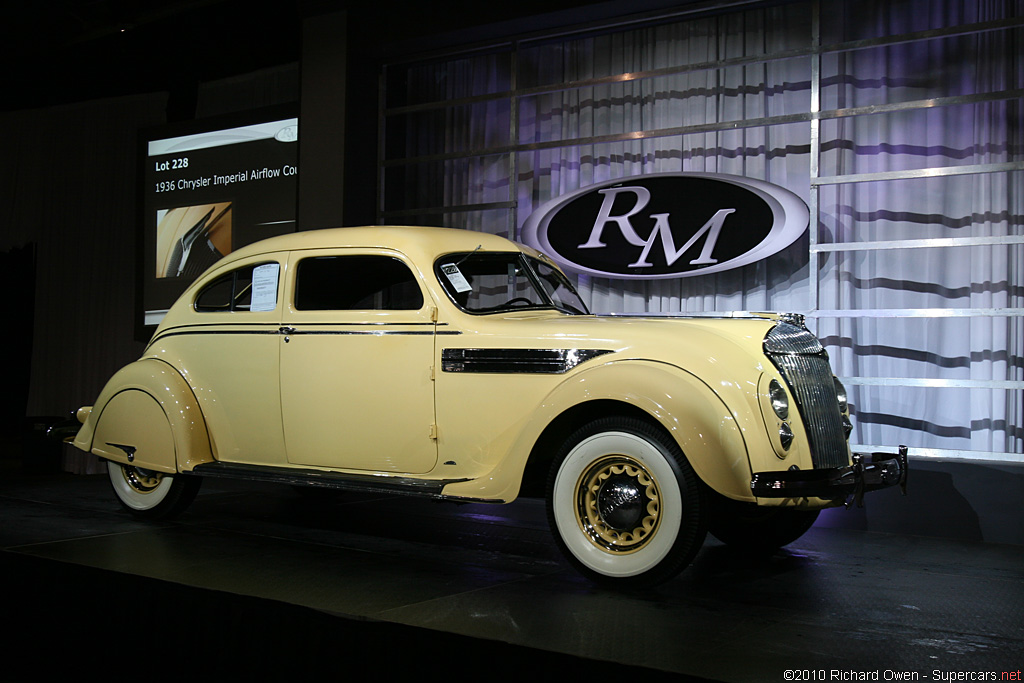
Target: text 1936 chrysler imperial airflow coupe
{"x":464,"y":367}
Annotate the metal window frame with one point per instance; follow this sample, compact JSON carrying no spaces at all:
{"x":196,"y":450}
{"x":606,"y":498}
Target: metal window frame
{"x":815,"y":51}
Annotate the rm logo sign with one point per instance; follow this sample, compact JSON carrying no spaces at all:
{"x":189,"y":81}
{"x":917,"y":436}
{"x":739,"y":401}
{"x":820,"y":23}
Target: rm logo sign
{"x":667,"y":225}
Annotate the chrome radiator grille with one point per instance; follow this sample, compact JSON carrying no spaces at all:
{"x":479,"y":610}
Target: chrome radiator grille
{"x":803,"y":362}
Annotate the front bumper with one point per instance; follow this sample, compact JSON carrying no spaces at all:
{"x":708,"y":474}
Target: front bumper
{"x":867,"y":473}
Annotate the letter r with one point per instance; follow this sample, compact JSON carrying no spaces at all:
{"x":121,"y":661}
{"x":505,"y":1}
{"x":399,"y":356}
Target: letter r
{"x":643,"y":196}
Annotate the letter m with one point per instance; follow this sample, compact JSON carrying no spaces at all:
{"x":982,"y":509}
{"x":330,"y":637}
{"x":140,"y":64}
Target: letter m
{"x":661,"y":228}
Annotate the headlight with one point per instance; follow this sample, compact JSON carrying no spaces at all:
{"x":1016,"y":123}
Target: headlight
{"x":844,"y":405}
{"x":786,"y":436}
{"x":779,"y":399}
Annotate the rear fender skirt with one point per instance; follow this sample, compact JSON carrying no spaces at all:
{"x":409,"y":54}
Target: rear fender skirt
{"x":137,"y":405}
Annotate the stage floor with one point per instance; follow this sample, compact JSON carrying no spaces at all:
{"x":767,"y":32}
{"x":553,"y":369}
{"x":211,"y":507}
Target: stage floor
{"x":259,"y":578}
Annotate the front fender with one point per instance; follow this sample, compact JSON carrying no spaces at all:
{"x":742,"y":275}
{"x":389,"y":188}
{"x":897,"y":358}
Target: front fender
{"x":148,"y":416}
{"x":694,"y":415}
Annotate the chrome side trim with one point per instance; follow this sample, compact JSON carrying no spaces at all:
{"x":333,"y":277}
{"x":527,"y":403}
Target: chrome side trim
{"x":375,"y":333}
{"x":190,"y":333}
{"x":280,"y":330}
{"x":322,"y":479}
{"x":516,"y":361}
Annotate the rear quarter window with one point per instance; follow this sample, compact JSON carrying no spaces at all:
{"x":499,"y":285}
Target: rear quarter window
{"x":233,"y":291}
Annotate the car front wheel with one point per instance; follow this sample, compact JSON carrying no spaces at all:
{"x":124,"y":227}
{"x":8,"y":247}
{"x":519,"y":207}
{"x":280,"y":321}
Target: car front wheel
{"x":151,"y":494}
{"x":760,"y":529}
{"x":624,"y":504}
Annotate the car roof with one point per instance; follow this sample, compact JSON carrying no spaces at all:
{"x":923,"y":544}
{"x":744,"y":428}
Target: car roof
{"x":417,"y":242}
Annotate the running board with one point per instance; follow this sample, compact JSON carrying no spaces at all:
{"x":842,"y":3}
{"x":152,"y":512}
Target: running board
{"x":329,"y":480}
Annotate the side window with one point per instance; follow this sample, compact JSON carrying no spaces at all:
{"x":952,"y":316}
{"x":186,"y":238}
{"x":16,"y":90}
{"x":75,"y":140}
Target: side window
{"x":234,"y":291}
{"x":349,"y":283}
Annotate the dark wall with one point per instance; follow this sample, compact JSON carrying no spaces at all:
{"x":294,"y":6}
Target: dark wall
{"x":323,"y":122}
{"x":68,"y":186}
{"x":18,"y":274}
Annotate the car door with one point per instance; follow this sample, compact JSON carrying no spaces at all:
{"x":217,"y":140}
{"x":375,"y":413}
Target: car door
{"x":356,"y":355}
{"x":228,"y":351}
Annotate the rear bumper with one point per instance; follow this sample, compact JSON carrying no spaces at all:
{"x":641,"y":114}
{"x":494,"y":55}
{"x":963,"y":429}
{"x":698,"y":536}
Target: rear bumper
{"x":65,"y":430}
{"x":867,"y":473}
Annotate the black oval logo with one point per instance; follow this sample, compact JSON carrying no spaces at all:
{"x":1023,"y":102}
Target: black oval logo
{"x":667,"y":225}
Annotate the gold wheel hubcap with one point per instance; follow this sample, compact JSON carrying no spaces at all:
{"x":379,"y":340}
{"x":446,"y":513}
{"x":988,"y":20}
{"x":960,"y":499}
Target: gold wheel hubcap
{"x":618,"y":504}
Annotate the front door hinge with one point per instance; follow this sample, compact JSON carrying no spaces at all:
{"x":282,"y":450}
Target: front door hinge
{"x":433,"y":431}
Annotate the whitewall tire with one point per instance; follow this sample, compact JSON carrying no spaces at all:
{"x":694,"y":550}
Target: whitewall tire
{"x":624,"y":504}
{"x":151,"y":494}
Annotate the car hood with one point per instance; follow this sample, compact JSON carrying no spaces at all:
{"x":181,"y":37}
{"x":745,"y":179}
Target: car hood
{"x":688,"y":342}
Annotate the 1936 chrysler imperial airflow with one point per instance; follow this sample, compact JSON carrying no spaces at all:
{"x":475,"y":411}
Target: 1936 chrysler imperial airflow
{"x":462,"y":366}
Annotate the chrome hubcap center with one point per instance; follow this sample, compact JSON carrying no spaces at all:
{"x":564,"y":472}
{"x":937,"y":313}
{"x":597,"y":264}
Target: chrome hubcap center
{"x":618,"y":505}
{"x":141,"y":480}
{"x":620,"y":502}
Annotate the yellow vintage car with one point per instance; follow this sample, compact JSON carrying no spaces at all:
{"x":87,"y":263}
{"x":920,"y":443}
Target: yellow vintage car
{"x":465,"y":367}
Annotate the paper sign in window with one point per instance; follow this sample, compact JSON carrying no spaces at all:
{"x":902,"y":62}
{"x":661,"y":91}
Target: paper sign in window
{"x":264,"y":287}
{"x":455,"y":276}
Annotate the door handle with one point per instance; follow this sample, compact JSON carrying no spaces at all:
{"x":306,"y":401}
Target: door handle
{"x":286,"y":330}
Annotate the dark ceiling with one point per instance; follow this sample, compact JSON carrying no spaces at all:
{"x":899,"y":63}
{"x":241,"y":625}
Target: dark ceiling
{"x":60,"y":51}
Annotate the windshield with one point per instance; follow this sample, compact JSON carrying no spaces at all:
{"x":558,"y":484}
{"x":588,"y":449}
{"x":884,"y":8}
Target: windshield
{"x":491,"y":282}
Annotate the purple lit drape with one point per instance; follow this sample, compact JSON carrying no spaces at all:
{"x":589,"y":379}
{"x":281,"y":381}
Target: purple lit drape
{"x":965,"y":351}
{"x":897,"y":313}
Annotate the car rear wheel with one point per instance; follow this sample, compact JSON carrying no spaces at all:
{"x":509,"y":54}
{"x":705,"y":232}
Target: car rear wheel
{"x":152,"y":494}
{"x":624,"y":504}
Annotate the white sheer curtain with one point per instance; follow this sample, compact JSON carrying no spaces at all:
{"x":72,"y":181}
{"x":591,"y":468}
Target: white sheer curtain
{"x":776,"y":153}
{"x":982,"y":278}
{"x":884,"y":354}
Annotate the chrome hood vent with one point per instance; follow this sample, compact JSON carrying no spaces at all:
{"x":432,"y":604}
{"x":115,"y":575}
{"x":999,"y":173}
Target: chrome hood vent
{"x":803,"y":363}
